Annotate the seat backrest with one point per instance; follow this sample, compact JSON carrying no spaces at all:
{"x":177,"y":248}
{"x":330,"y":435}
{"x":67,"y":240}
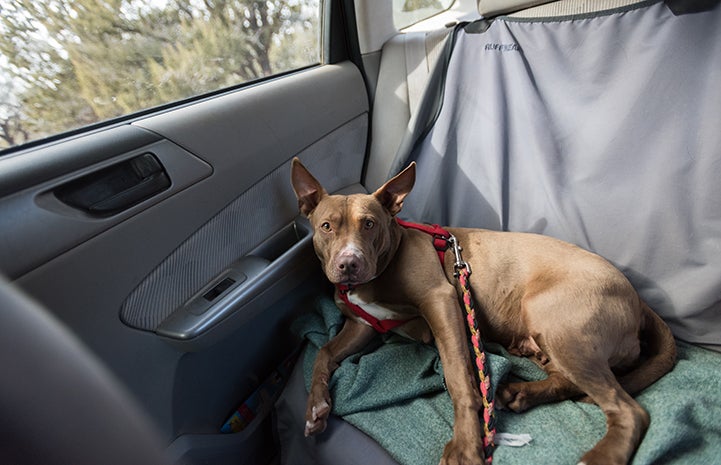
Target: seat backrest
{"x":58,"y":403}
{"x":406,"y":64}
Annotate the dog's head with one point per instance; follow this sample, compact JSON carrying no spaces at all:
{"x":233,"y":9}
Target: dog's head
{"x":352,"y":234}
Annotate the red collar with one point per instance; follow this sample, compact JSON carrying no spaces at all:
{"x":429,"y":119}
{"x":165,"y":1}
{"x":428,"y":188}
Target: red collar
{"x":440,"y":242}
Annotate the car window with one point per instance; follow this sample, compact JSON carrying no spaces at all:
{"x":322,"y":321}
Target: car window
{"x":66,"y":64}
{"x":409,"y":12}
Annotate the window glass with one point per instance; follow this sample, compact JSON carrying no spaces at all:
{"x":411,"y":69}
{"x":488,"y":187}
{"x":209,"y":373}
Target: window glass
{"x":408,"y":12}
{"x":65,"y":64}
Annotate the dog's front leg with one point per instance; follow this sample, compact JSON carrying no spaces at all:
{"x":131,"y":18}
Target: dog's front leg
{"x":444,"y":316}
{"x":351,"y":338}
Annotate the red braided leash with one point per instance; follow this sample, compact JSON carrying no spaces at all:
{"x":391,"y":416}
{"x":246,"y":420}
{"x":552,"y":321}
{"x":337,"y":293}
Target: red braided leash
{"x":462,"y":273}
{"x":442,"y":240}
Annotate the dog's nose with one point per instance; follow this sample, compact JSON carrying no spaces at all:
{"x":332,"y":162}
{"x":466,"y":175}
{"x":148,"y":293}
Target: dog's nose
{"x":348,"y":263}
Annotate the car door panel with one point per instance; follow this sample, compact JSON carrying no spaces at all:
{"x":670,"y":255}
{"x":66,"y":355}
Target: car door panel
{"x":228,"y":160}
{"x":40,"y":210}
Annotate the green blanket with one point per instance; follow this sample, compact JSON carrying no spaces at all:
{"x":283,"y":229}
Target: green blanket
{"x":394,"y":392}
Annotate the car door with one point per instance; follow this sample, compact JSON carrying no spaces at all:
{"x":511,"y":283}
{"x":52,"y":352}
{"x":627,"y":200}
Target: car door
{"x":167,"y":239}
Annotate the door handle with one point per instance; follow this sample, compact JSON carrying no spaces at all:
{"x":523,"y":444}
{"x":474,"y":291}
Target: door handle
{"x":117,"y":187}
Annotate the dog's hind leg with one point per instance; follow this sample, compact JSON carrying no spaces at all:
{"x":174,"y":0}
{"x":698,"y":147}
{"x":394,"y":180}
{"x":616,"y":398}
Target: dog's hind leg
{"x":626,"y":420}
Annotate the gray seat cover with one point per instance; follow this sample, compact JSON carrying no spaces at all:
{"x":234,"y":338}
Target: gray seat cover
{"x":599,"y":130}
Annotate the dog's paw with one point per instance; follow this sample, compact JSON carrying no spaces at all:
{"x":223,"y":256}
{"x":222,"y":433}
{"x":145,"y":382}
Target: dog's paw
{"x":458,"y":453}
{"x":316,"y":418}
{"x":512,"y":397}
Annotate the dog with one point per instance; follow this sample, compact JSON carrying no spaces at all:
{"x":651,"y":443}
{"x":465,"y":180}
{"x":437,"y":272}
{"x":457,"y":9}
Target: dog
{"x":566,"y":308}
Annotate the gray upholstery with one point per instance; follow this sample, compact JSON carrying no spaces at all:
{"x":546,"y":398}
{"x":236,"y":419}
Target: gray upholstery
{"x":406,"y":64}
{"x":58,"y":404}
{"x":342,"y":443}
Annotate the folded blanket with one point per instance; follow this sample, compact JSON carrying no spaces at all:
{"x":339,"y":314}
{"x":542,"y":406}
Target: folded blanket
{"x":394,"y":392}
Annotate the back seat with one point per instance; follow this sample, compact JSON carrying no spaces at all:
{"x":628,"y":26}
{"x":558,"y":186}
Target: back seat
{"x":407,"y":62}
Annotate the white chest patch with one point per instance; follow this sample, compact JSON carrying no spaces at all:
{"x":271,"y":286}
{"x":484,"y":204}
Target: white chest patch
{"x":375,"y":310}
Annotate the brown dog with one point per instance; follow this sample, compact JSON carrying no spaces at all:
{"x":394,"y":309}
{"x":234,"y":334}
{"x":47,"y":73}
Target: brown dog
{"x":571,"y":310}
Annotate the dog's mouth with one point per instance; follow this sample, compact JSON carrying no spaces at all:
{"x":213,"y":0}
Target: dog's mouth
{"x":348,"y":279}
{"x":353,"y":283}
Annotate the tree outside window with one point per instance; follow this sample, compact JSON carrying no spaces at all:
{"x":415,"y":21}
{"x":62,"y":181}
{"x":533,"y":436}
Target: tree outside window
{"x":65,"y":64}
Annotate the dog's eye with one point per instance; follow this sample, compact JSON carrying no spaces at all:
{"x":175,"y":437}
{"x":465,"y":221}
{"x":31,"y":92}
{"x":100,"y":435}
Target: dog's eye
{"x":325,"y":226}
{"x":369,"y":224}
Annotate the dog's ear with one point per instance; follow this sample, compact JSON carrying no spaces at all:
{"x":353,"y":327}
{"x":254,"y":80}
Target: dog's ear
{"x":306,"y":187}
{"x":392,"y":193}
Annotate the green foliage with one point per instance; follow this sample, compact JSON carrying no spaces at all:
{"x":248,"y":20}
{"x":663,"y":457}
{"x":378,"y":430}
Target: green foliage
{"x":69,"y":63}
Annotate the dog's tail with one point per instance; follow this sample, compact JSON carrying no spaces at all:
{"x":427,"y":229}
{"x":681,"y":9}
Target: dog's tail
{"x":658,"y":352}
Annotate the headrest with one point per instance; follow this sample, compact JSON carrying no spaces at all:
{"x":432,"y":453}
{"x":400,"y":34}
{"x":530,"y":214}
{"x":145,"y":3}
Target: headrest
{"x":489,"y":8}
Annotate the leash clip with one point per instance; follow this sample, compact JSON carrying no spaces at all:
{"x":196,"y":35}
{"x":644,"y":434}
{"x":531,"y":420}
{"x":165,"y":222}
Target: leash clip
{"x":459,"y":263}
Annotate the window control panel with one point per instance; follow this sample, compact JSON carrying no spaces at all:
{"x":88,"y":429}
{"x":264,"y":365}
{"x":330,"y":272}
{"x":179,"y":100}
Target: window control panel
{"x":225,"y":283}
{"x":237,"y":292}
{"x":223,"y":286}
